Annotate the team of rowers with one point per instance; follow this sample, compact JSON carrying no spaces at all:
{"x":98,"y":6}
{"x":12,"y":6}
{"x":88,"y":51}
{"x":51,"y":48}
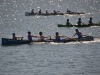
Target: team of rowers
{"x":81,"y":23}
{"x":68,"y":23}
{"x":54,"y":12}
{"x":40,"y":12}
{"x":42,"y":38}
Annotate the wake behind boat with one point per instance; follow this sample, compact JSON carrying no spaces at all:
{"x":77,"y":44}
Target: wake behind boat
{"x":7,"y":41}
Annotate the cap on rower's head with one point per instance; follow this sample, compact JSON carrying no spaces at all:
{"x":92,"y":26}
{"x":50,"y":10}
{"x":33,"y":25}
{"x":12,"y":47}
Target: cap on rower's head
{"x":67,"y":19}
{"x":56,"y":33}
{"x":79,"y":18}
{"x":76,"y":29}
{"x":28,"y":32}
{"x":40,"y":33}
{"x":13,"y":33}
{"x":90,"y":17}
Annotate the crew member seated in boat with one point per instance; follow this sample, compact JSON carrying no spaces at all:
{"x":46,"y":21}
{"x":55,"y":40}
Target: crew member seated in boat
{"x":90,"y":21}
{"x":47,"y":12}
{"x":15,"y":37}
{"x":68,"y":11}
{"x":54,"y":12}
{"x":59,"y":38}
{"x":79,"y":22}
{"x":40,"y":12}
{"x":79,"y":34}
{"x":30,"y":36}
{"x":32,"y":12}
{"x":42,"y":38}
{"x":68,"y":23}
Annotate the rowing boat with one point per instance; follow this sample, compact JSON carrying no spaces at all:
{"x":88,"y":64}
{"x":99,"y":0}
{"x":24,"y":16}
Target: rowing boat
{"x":62,"y":25}
{"x":42,"y":14}
{"x":6,"y":41}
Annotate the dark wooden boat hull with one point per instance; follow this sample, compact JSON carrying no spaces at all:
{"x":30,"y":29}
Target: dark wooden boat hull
{"x":43,"y":14}
{"x":61,"y":25}
{"x":6,"y":41}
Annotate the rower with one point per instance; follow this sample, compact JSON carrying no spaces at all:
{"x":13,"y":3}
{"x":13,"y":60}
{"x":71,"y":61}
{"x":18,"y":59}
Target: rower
{"x":47,"y":12}
{"x":15,"y":37}
{"x":68,"y":23}
{"x":68,"y":11}
{"x":90,"y":21}
{"x":79,"y":34}
{"x":42,"y":38}
{"x":40,"y":12}
{"x":55,"y":12}
{"x":79,"y":22}
{"x":30,"y":36}
{"x":59,"y":38}
{"x":32,"y":12}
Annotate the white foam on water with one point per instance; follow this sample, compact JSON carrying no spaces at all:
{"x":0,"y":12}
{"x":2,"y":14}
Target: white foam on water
{"x":80,"y":42}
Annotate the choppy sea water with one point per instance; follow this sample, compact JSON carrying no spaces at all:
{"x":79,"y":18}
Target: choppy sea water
{"x":75,"y":58}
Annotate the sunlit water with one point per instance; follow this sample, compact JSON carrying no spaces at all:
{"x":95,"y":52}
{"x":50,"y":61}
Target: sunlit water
{"x":74,"y":58}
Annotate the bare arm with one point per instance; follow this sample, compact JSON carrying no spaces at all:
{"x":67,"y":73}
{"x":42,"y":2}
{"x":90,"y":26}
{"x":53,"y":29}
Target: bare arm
{"x":73,"y":35}
{"x":20,"y":37}
{"x":62,"y":36}
{"x":34,"y":36}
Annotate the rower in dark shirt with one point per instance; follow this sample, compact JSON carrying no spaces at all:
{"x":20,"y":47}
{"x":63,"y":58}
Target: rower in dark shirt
{"x":79,"y":34}
{"x":90,"y":21}
{"x":55,"y":12}
{"x":68,"y":23}
{"x":40,"y":12}
{"x":59,"y":38}
{"x":47,"y":12}
{"x":79,"y":22}
{"x":32,"y":12}
{"x":30,"y":36}
{"x":16,"y":37}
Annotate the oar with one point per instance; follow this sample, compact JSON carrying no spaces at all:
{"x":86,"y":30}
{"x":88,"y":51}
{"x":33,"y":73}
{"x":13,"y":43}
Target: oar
{"x":71,"y":39}
{"x":87,"y":35}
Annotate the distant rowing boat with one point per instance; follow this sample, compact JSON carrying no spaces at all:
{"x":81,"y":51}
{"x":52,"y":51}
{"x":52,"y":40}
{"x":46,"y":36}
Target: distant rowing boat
{"x":62,"y":25}
{"x":6,"y":41}
{"x":44,"y":14}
